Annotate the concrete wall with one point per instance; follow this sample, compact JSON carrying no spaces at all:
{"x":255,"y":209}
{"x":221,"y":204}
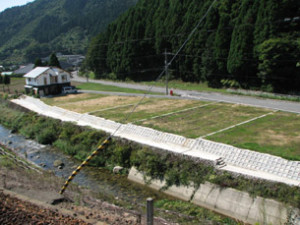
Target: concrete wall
{"x":226,"y":201}
{"x":236,"y":160}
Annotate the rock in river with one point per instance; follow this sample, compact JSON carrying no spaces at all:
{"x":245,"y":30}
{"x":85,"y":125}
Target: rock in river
{"x":58,"y":163}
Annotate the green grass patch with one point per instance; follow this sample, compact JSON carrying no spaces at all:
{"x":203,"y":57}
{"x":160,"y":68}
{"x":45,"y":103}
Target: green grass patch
{"x":277,"y":134}
{"x":295,"y":98}
{"x":110,"y":88}
{"x":16,"y":85}
{"x":177,"y":84}
{"x":197,"y":215}
{"x":202,"y":121}
{"x":7,"y":162}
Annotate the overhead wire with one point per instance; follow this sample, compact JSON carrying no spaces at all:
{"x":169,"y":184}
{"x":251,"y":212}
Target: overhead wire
{"x":127,"y":116}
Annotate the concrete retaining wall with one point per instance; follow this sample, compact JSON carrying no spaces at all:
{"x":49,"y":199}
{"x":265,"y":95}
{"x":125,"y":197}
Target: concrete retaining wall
{"x":242,"y":161}
{"x":226,"y":201}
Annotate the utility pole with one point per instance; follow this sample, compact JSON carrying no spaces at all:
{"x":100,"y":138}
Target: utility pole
{"x":166,"y":71}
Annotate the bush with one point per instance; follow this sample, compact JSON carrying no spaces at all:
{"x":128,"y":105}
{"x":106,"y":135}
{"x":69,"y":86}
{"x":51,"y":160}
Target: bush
{"x":121,"y":156}
{"x":150,"y":163}
{"x":47,"y":136}
{"x":68,"y":130}
{"x":28,"y":131}
{"x":65,"y":146}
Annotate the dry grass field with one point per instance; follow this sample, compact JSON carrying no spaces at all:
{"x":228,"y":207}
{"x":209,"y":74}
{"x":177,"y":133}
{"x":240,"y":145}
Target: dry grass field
{"x":277,"y":133}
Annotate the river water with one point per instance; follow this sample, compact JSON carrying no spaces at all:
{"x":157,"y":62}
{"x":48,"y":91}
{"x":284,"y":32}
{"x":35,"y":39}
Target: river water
{"x":111,"y":186}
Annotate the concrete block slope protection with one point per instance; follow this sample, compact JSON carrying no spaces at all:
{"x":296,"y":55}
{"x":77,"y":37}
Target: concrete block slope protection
{"x":242,"y":161}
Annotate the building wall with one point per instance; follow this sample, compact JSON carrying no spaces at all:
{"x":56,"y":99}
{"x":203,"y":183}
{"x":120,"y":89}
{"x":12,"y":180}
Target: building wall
{"x":62,"y":77}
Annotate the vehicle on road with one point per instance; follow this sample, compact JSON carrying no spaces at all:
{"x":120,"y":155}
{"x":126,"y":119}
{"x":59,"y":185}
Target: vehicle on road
{"x":69,"y":90}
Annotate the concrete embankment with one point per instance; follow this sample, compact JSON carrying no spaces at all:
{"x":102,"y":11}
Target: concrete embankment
{"x":227,"y":201}
{"x":236,"y":160}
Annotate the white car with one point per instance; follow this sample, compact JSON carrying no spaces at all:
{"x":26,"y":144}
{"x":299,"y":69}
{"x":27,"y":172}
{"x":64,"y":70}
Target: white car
{"x":69,"y":90}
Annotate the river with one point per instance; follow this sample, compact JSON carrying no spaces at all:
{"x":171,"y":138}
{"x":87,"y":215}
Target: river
{"x":111,"y":186}
{"x":114,"y":188}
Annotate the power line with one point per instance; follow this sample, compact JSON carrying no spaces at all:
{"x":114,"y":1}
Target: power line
{"x":126,"y":117}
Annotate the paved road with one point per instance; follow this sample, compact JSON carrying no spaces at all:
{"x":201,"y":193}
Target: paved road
{"x":287,"y":106}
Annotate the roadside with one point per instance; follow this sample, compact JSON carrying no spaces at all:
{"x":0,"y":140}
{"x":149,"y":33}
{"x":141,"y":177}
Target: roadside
{"x":287,"y":106}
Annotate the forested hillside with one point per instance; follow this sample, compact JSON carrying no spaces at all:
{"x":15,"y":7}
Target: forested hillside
{"x":241,"y":43}
{"x":45,"y":26}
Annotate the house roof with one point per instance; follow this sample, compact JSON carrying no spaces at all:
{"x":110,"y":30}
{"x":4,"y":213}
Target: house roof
{"x":36,"y":72}
{"x":24,"y":69}
{"x":7,"y":73}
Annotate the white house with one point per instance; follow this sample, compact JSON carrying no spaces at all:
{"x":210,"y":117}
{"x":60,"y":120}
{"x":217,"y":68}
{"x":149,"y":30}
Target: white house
{"x":46,"y":80}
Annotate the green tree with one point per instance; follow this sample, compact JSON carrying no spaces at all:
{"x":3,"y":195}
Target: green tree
{"x":38,"y":62}
{"x":96,"y":56}
{"x":1,"y":81}
{"x":6,"y":81}
{"x":221,"y":51}
{"x":240,"y":62}
{"x":277,"y":67}
{"x":54,"y":61}
{"x":264,"y":28}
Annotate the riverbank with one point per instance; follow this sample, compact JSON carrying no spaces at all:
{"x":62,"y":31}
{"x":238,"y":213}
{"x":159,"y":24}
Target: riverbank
{"x":35,"y":189}
{"x":166,"y":207}
{"x":155,"y":163}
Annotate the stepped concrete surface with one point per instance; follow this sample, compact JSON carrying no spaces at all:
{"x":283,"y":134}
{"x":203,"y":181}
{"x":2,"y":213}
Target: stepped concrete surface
{"x":225,"y":157}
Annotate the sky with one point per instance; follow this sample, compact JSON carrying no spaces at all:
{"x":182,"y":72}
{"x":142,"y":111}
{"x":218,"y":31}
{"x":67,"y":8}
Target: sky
{"x":4,"y":4}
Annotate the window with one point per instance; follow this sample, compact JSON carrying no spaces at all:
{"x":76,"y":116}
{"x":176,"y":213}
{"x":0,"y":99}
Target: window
{"x":63,"y":78}
{"x":29,"y":79}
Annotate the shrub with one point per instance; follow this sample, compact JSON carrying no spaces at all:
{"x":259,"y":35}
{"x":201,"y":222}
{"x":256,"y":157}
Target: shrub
{"x":65,"y":146}
{"x":47,"y":136}
{"x":121,"y":156}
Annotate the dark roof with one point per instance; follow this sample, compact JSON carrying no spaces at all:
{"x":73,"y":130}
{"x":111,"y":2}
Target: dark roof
{"x":24,"y":69}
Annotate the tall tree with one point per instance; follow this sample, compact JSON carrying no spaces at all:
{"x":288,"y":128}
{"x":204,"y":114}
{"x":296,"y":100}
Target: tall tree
{"x":54,"y":61}
{"x":278,"y":60}
{"x":38,"y":62}
{"x":6,"y":81}
{"x":240,"y":59}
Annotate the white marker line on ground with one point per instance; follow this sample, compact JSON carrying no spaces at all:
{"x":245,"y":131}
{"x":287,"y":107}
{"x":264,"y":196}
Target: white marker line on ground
{"x":171,"y":113}
{"x":239,"y":124}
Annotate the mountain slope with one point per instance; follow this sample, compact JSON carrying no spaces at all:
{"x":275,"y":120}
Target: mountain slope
{"x":240,"y":43}
{"x":46,"y":26}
